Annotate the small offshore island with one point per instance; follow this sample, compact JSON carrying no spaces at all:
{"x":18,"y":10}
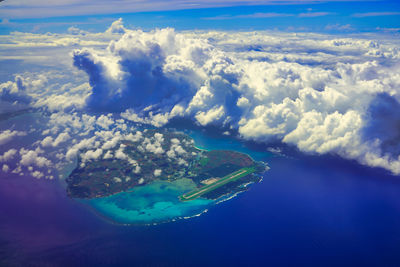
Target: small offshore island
{"x":160,"y":175}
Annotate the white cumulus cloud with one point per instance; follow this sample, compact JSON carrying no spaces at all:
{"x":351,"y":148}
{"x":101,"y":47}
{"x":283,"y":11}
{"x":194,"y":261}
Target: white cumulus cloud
{"x":320,"y":93}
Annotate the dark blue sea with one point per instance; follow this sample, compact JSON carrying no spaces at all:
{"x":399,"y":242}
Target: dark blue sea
{"x":307,"y":211}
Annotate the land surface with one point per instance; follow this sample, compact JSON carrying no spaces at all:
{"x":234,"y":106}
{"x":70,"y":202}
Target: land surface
{"x":141,"y":158}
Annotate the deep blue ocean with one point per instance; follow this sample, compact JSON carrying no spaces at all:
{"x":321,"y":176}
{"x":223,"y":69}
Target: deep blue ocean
{"x":307,"y":211}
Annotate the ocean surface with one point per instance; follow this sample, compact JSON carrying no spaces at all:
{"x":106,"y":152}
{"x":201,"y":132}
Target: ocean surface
{"x":307,"y":211}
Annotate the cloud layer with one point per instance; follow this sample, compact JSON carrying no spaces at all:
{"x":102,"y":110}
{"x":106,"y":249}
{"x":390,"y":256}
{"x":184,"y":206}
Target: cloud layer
{"x":319,"y":93}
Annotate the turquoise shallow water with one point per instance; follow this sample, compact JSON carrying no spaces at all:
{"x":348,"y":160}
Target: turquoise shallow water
{"x":153,"y":203}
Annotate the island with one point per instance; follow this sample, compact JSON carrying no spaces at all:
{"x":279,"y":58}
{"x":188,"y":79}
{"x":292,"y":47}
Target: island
{"x":162,"y":155}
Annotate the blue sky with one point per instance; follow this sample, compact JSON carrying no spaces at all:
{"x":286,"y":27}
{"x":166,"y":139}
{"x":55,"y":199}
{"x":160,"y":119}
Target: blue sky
{"x":330,"y":16}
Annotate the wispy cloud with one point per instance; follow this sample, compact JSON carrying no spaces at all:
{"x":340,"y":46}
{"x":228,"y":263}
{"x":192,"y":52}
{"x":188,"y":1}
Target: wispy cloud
{"x":265,"y":15}
{"x":375,"y":14}
{"x":314,"y":14}
{"x":35,"y":26}
{"x":339,"y":27}
{"x":270,"y":15}
{"x":43,"y":8}
{"x":250,"y":16}
{"x":388,"y":30}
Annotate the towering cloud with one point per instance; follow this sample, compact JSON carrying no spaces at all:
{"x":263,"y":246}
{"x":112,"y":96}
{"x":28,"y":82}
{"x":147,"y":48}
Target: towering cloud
{"x":141,"y":70}
{"x":320,"y":93}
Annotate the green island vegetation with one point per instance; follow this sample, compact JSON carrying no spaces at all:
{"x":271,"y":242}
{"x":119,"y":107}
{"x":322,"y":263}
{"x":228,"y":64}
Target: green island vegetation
{"x":161,"y":155}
